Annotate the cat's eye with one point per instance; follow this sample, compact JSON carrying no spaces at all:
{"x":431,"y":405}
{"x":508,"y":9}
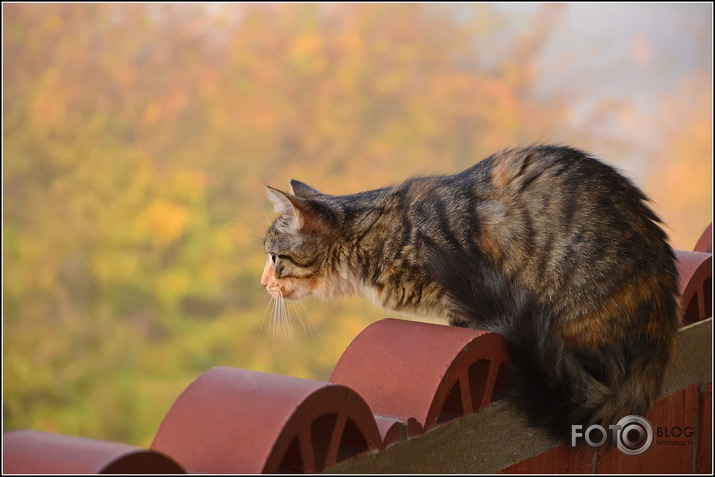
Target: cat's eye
{"x":273,"y":257}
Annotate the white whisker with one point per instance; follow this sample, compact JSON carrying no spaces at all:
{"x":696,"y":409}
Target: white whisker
{"x":283,"y":313}
{"x":270,"y":303}
{"x":287,"y":326}
{"x":282,"y":320}
{"x":298,"y":314}
{"x":275,"y":318}
{"x":301,"y":319}
{"x":311,"y":326}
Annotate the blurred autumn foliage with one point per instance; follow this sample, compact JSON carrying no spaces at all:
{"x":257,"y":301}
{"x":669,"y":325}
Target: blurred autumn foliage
{"x":138,"y":139}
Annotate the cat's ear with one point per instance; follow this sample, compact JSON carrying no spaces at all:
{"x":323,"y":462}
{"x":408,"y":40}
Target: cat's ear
{"x":301,"y":189}
{"x":303,"y":214}
{"x":279,"y":199}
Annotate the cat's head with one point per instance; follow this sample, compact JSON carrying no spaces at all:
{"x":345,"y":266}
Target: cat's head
{"x":298,"y":241}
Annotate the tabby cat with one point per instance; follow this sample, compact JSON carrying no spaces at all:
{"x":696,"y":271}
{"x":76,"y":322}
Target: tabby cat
{"x":546,"y":245}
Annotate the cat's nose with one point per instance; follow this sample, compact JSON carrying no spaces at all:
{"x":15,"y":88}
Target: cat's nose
{"x":266,"y":276}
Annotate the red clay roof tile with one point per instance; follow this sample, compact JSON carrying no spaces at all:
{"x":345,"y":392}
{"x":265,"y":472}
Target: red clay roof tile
{"x":430,"y":372}
{"x":35,"y":452}
{"x":239,"y":421}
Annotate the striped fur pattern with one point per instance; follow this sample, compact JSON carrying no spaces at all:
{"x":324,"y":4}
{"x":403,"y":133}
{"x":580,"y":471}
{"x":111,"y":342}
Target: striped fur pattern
{"x":546,"y":245}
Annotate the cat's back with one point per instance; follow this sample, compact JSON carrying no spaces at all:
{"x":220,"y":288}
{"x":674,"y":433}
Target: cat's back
{"x":527,"y":172}
{"x":556,"y":217}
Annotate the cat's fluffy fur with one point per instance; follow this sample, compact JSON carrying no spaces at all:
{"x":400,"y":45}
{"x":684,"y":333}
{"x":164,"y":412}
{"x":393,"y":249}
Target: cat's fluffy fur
{"x":546,"y":245}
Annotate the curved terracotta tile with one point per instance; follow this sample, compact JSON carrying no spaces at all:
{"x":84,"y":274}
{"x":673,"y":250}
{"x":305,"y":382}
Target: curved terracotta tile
{"x":695,"y":282}
{"x":239,"y":421}
{"x":393,"y":429}
{"x":429,"y":372}
{"x":705,"y":242}
{"x":36,"y":452}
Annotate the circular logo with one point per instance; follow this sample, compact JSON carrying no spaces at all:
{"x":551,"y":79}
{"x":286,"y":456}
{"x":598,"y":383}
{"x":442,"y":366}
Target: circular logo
{"x":634,"y":435}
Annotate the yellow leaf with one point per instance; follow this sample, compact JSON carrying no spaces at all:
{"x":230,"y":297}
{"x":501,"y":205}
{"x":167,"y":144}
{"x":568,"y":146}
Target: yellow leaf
{"x":164,"y":221}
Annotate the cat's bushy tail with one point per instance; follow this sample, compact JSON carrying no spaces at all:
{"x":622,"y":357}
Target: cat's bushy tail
{"x":554,"y":386}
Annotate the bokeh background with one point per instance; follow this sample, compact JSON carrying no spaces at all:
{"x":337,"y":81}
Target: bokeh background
{"x":138,"y":138}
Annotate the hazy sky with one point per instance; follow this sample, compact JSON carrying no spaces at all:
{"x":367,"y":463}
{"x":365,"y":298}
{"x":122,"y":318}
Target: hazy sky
{"x":620,"y":44}
{"x":633,"y":53}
